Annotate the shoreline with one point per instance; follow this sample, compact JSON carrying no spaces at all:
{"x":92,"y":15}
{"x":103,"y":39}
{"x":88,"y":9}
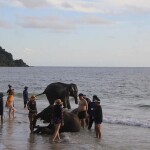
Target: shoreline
{"x":15,"y":134}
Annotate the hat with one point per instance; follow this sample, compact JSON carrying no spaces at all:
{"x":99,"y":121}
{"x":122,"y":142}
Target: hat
{"x":81,"y":94}
{"x":25,"y":87}
{"x":58,"y":102}
{"x":33,"y":97}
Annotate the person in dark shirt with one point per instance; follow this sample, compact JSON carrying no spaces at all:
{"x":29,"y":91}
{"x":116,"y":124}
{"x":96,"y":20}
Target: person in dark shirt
{"x":1,"y":106}
{"x":91,"y":108}
{"x":9,"y":89}
{"x":32,"y":111}
{"x":25,"y":96}
{"x":58,"y":118}
{"x":98,"y":118}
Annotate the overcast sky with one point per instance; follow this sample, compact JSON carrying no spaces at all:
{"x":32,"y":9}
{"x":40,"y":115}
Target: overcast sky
{"x":103,"y":33}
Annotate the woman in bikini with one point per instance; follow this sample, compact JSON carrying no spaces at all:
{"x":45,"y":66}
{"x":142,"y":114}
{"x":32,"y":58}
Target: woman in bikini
{"x":10,"y":104}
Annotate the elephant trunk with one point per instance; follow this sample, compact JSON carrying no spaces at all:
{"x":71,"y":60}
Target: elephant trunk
{"x":76,"y":100}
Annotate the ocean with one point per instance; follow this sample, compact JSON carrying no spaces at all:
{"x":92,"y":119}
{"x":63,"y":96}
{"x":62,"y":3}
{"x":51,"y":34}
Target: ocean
{"x":124,"y":94}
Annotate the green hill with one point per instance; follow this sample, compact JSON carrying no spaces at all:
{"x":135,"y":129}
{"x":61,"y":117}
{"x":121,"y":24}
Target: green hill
{"x":6,"y":60}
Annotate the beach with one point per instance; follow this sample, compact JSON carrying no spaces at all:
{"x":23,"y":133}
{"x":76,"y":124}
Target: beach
{"x":124,"y":94}
{"x":15,"y":134}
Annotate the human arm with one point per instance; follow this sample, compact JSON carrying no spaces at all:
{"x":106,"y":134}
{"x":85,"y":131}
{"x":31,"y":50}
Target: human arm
{"x":62,"y":117}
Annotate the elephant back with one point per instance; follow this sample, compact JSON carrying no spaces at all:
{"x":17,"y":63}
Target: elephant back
{"x":71,"y":123}
{"x":57,"y":90}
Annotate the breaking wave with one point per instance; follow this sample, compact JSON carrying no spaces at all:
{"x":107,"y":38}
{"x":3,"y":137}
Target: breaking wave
{"x":128,"y":122}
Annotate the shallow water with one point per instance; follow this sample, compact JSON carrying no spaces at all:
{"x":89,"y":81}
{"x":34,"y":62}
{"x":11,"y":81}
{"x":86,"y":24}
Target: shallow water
{"x":124,"y":94}
{"x":15,"y":134}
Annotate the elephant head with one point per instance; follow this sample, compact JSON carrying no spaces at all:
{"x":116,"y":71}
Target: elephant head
{"x":73,"y":91}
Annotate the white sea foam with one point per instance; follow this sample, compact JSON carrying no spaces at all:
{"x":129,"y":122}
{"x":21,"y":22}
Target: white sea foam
{"x":128,"y":122}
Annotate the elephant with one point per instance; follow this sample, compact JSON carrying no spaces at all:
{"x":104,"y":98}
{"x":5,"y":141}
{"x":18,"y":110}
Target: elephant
{"x":61,"y":91}
{"x":71,"y":121}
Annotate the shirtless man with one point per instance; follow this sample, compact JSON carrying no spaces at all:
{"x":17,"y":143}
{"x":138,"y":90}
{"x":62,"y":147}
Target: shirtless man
{"x":82,"y":110}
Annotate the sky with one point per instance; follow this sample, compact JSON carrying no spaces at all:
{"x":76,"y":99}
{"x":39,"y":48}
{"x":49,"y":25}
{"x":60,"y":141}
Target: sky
{"x":92,"y":33}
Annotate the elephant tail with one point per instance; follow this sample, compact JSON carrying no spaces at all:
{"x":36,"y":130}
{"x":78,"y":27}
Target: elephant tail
{"x":40,"y":94}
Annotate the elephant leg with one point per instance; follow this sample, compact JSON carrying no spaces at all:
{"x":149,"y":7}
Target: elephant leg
{"x":68,"y":104}
{"x":64,"y":103}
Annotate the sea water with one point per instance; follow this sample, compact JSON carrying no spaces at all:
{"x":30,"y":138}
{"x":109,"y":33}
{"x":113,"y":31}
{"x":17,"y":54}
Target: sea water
{"x":124,"y":94}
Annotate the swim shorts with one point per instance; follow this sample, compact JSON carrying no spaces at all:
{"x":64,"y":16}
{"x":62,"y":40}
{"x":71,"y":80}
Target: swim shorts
{"x":82,"y":114}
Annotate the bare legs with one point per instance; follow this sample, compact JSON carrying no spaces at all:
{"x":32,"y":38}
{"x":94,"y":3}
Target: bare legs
{"x":98,"y":130}
{"x":82,"y":121}
{"x":1,"y":119}
{"x":12,"y":112}
{"x":56,"y":133}
{"x":32,"y":121}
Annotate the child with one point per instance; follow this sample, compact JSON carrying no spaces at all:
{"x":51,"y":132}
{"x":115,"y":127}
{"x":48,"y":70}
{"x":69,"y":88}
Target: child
{"x":57,"y":118}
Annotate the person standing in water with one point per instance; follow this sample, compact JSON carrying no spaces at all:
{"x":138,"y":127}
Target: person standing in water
{"x":91,"y":109}
{"x":32,"y":111}
{"x":25,"y":96}
{"x":9,"y":89}
{"x":98,"y":118}
{"x":58,"y":118}
{"x":82,"y":110}
{"x":1,"y":107}
{"x":10,"y":104}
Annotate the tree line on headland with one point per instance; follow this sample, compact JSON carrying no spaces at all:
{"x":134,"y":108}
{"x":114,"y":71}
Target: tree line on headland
{"x":6,"y":60}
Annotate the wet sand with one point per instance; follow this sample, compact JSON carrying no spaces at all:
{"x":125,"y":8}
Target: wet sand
{"x":15,"y":135}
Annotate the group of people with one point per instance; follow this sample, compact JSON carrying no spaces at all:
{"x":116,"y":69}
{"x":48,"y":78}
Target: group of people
{"x":30,"y":103}
{"x":58,"y":117}
{"x":94,"y":111}
{"x":86,"y":106}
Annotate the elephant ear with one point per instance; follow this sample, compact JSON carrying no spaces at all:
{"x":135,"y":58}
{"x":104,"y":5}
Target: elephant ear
{"x":72,"y":89}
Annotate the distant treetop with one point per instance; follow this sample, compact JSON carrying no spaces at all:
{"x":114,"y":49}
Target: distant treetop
{"x":6,"y":60}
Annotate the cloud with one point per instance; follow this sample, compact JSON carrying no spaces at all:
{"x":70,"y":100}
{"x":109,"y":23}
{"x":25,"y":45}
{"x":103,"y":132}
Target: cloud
{"x":58,"y":24}
{"x":86,"y":6}
{"x":94,"y":20}
{"x":28,"y":51}
{"x":51,"y":22}
{"x":4,"y":24}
